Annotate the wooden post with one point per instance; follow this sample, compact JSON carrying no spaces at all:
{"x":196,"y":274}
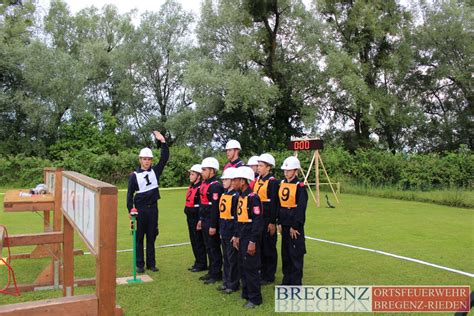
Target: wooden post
{"x":58,"y":180}
{"x":57,"y":224}
{"x":106,"y":255}
{"x":316,"y":155}
{"x":46,"y":221}
{"x":68,"y":259}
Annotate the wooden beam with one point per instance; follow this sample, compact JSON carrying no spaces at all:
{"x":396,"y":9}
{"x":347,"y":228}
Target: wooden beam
{"x":77,"y":252}
{"x":68,"y":259}
{"x":91,"y":183}
{"x":76,"y":305}
{"x":106,"y":259}
{"x":47,"y":286}
{"x":35,"y":239}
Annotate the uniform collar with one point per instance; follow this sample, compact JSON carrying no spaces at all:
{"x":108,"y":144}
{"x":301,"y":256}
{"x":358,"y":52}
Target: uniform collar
{"x":139,"y":169}
{"x":231,"y":191}
{"x":210,"y":179}
{"x":268,"y":176}
{"x":246,"y":192}
{"x":295,"y":180}
{"x":195,"y":185}
{"x":236,"y":161}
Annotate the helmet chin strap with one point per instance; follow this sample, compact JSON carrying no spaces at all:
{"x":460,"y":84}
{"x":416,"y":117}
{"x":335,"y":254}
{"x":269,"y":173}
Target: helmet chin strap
{"x":294,"y":176}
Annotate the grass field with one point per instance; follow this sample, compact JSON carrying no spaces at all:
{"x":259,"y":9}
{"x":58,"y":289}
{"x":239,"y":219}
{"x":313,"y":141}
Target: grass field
{"x":437,"y":234}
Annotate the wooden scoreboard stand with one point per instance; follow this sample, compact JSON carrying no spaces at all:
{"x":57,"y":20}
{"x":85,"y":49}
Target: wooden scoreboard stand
{"x":89,"y":207}
{"x":47,"y":243}
{"x":315,"y":145}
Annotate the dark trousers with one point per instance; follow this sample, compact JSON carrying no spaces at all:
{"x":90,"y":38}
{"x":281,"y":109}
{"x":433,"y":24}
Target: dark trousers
{"x":249,"y":269}
{"x":197,"y":241}
{"x":269,"y":254}
{"x":147,"y":225}
{"x":231,"y":275}
{"x":213,"y":249}
{"x":292,"y":253}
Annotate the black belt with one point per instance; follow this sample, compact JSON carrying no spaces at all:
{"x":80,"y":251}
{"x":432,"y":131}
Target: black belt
{"x":148,"y":205}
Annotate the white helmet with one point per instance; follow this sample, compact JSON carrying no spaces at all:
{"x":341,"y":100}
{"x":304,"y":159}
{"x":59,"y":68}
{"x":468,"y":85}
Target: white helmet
{"x":253,"y":161}
{"x":233,"y":144}
{"x":39,"y":189}
{"x":291,"y":163}
{"x":244,"y":173}
{"x":229,"y":173}
{"x":146,"y":153}
{"x":196,"y":168}
{"x":210,"y":162}
{"x":267,"y":158}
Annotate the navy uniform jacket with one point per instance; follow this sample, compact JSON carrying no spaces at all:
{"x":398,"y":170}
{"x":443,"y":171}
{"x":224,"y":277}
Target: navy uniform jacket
{"x":228,"y":228}
{"x":295,"y":217}
{"x":235,"y":164}
{"x":252,"y":230}
{"x":210,"y":210}
{"x":270,"y":206}
{"x":142,"y":199}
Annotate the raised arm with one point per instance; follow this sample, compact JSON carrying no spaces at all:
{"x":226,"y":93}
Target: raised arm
{"x":164,"y":156}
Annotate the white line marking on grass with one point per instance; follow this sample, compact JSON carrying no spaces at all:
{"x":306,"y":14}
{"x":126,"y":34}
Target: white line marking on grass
{"x":161,"y":189}
{"x":471,"y":275}
{"x":163,"y":246}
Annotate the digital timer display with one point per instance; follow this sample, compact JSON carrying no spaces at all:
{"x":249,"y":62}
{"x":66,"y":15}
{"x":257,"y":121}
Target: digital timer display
{"x":307,"y":144}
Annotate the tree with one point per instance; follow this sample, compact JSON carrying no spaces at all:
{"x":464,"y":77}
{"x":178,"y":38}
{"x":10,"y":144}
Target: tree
{"x":367,"y":60}
{"x":442,"y":77}
{"x":254,"y":74}
{"x":16,"y":19}
{"x":160,"y":51}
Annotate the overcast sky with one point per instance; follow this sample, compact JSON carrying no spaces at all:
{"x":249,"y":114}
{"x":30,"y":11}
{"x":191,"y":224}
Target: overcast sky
{"x":125,"y":5}
{"x":141,"y":5}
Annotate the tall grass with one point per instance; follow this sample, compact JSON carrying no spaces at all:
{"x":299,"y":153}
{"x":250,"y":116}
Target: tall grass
{"x":450,"y":197}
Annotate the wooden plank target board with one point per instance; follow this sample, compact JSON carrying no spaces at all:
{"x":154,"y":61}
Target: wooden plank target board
{"x":80,"y":206}
{"x":89,"y":206}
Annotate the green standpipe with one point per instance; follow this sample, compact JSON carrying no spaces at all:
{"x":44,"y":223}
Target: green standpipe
{"x":134,"y":214}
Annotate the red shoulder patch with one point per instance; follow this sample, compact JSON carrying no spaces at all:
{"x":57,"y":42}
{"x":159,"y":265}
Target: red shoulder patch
{"x":215,"y":196}
{"x":301,"y":184}
{"x":256,"y":210}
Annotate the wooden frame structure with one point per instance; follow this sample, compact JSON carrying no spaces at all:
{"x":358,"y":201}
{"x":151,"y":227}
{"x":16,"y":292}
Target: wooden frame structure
{"x":47,"y":243}
{"x":307,"y":144}
{"x":100,"y":237}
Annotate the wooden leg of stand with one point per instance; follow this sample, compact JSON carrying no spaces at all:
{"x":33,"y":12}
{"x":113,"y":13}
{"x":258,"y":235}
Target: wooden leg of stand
{"x":316,"y":156}
{"x":68,"y":259}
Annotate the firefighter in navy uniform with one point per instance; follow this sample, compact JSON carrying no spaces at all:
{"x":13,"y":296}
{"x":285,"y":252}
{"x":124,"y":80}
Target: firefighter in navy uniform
{"x":232,"y":150}
{"x":191,"y":210}
{"x":291,"y":218}
{"x":266,"y":187}
{"x":210,"y":194}
{"x":253,"y":163}
{"x":250,"y":223}
{"x":228,"y":229}
{"x":143,"y":194}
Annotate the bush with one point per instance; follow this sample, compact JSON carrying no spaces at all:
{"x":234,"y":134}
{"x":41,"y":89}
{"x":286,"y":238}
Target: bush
{"x":367,"y":168}
{"x":22,"y":171}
